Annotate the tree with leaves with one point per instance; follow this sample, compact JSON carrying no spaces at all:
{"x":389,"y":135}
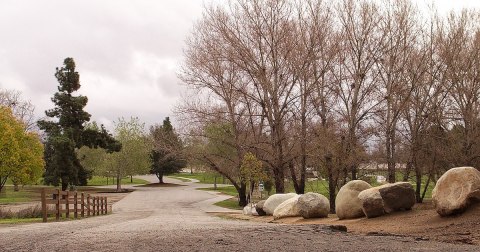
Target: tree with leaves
{"x":252,"y":172}
{"x":167,"y":154}
{"x":20,"y":152}
{"x":133,"y":159}
{"x":66,"y":132}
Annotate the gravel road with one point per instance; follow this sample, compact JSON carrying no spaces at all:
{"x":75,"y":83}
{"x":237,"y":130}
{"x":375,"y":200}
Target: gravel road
{"x":175,"y":219}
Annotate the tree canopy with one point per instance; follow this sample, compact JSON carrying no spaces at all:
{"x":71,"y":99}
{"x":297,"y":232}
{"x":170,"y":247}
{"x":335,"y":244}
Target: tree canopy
{"x":20,"y":152}
{"x":66,"y":131}
{"x":167,"y":154}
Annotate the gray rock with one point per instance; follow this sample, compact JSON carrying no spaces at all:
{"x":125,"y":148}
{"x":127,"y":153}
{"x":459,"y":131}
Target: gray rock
{"x":387,"y":198}
{"x":313,"y":205}
{"x":372,"y":203}
{"x":347,"y":204}
{"x":398,"y":196}
{"x":456,"y":190}
{"x":259,"y":208}
{"x":275,"y":200}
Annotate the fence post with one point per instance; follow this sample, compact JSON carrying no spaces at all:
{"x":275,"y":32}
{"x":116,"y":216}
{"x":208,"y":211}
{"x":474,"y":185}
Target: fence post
{"x":82,"y":205}
{"x":88,"y":205}
{"x":44,"y":205}
{"x":75,"y":207}
{"x":57,"y":205}
{"x":67,"y":205}
{"x":98,"y":205}
{"x":106,"y":205}
{"x":94,"y":209}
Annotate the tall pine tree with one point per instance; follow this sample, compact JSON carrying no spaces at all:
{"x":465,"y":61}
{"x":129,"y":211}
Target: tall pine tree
{"x":167,"y":155}
{"x":65,"y":132}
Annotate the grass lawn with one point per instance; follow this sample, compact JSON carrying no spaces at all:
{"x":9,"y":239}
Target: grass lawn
{"x":101,"y":181}
{"x":229,"y":203}
{"x":25,"y":194}
{"x":203,"y":177}
{"x":229,"y":190}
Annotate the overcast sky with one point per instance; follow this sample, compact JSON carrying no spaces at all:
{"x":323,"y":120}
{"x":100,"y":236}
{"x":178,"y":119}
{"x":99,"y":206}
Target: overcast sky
{"x":127,"y":52}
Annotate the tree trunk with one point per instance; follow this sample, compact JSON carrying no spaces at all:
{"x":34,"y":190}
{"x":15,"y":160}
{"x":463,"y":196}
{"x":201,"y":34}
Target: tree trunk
{"x":160,"y":176}
{"x":131,"y":179}
{"x":242,"y":195}
{"x":15,"y":187}
{"x":119,"y":184}
{"x":332,"y":183}
{"x":64,"y":185}
{"x":279,"y":179}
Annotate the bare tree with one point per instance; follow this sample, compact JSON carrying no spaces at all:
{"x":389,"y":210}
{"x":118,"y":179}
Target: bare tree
{"x":23,"y":109}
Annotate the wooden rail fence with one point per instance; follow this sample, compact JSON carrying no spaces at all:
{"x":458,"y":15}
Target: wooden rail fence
{"x":67,"y":202}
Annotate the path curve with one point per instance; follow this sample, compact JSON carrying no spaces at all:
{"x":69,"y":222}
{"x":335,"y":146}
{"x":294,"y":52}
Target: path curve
{"x":175,"y":219}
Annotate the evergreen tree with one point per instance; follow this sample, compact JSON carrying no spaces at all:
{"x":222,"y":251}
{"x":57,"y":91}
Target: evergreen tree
{"x":67,"y":133}
{"x":167,"y":154}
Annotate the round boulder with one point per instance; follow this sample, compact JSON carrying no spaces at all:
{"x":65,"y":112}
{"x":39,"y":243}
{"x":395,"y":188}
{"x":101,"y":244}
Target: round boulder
{"x":456,"y":190}
{"x":275,"y":200}
{"x":259,"y":208}
{"x":347,"y":204}
{"x":288,"y":208}
{"x":313,"y":205}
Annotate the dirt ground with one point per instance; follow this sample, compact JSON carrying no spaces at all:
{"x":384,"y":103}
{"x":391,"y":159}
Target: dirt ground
{"x":421,"y":223}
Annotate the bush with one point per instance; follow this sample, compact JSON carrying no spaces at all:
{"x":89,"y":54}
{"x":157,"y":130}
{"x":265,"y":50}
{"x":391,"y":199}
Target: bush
{"x":30,"y":212}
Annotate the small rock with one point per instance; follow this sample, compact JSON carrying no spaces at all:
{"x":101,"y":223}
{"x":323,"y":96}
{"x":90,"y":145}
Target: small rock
{"x":340,"y":228}
{"x":259,"y":208}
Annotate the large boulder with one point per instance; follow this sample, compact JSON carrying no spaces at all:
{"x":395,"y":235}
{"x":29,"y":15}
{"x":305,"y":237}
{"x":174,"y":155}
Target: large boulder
{"x":313,"y":205}
{"x":288,"y":208}
{"x":275,"y":200}
{"x":387,"y":198}
{"x":397,"y":196}
{"x":456,"y":190}
{"x":347,"y":204}
{"x":259,"y":208}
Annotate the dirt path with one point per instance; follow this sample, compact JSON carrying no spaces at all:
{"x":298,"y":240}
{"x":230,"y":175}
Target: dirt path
{"x":174,"y":218}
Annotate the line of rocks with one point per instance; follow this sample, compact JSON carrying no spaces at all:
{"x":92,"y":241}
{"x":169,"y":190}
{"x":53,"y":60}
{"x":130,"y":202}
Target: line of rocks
{"x":457,"y":189}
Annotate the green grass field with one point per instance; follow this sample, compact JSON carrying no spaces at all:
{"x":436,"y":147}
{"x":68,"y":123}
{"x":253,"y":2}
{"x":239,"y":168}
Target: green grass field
{"x":101,"y":181}
{"x":229,"y":203}
{"x":203,"y":177}
{"x":25,"y":194}
{"x":229,"y":190}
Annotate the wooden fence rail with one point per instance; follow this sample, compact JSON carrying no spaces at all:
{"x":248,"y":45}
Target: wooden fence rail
{"x":82,"y":203}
